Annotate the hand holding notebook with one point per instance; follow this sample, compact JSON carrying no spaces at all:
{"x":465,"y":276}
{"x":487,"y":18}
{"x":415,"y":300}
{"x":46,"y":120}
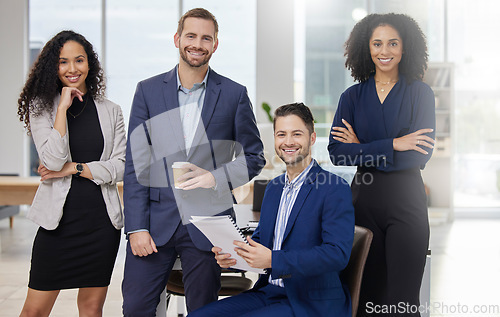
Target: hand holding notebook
{"x":222,"y":231}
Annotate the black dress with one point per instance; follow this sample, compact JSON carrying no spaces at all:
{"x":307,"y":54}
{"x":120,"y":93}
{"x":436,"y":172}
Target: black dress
{"x":81,"y":251}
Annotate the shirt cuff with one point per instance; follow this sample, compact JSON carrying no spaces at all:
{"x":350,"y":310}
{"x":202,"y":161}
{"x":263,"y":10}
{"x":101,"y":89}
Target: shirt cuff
{"x":138,"y":230}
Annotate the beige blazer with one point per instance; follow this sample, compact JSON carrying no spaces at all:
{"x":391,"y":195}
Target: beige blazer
{"x":53,"y":151}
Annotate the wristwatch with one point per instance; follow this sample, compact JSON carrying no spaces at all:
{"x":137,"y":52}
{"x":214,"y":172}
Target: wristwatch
{"x":79,"y":169}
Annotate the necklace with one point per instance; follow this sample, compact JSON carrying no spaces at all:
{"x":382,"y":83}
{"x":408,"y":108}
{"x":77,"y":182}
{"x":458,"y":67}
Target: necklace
{"x":386,"y":83}
{"x":81,"y":111}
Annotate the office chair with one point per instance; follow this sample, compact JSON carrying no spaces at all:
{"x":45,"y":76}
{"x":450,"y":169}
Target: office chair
{"x":230,"y":285}
{"x":353,"y":273}
{"x":259,"y":187}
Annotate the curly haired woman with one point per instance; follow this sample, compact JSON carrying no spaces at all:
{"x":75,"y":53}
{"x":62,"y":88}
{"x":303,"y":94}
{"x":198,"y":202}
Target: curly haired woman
{"x":385,"y":126}
{"x":80,"y":139}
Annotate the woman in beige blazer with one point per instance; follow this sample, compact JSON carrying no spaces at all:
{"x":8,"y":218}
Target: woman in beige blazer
{"x":80,"y":139}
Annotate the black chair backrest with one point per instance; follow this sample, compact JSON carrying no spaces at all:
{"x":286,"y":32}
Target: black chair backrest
{"x":259,"y":187}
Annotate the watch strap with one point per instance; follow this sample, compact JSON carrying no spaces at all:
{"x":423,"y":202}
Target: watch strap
{"x":79,"y":169}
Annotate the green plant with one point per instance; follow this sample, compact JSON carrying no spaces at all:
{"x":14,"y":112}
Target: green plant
{"x":267,"y":109}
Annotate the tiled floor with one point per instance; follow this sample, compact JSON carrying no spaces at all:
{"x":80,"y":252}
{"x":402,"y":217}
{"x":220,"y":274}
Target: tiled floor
{"x":465,"y":271}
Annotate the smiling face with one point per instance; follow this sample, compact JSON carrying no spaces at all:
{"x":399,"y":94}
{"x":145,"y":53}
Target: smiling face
{"x":73,"y":66}
{"x":386,"y":49}
{"x":197,"y":42}
{"x":293,"y":141}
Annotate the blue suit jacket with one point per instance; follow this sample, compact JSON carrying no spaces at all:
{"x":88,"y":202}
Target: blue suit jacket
{"x":316,"y":246}
{"x":227,"y":130}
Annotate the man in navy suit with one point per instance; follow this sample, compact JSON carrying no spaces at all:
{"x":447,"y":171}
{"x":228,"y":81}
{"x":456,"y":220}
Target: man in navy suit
{"x":304,"y":237}
{"x":189,"y":114}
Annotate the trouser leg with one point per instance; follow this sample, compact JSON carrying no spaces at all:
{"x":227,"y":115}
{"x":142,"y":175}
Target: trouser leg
{"x":144,"y":280}
{"x":201,"y":273}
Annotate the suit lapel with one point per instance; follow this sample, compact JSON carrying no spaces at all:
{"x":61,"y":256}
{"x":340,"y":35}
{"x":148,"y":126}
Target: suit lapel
{"x":270,"y":212}
{"x":172,"y":108}
{"x":211,"y":96}
{"x":301,"y":198}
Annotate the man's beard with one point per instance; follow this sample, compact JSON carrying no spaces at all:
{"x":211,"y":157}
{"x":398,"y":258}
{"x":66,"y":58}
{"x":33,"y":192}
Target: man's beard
{"x":184,"y":56}
{"x":299,"y":158}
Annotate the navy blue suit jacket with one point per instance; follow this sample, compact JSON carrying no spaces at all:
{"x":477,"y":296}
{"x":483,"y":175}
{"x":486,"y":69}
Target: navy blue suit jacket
{"x":316,"y":246}
{"x":226,"y":142}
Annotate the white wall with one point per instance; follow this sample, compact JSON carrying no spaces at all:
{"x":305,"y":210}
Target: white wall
{"x":13,"y":36}
{"x":274,"y":54}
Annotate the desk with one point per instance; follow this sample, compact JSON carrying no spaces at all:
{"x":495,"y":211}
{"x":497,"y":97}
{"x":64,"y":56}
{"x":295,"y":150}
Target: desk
{"x":244,"y":214}
{"x":15,"y":190}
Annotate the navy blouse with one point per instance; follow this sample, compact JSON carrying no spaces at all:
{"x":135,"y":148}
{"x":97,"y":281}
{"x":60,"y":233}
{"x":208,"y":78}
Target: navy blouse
{"x":407,"y":108}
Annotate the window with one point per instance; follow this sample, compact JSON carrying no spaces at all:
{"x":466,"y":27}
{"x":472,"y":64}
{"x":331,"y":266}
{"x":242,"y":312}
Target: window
{"x":139,"y":39}
{"x":236,"y":56}
{"x":139,"y":44}
{"x":322,"y":27}
{"x":49,"y":17}
{"x":473,"y":48}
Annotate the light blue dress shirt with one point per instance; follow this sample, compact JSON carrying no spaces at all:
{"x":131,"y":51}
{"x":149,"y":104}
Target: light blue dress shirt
{"x":190,"y":106}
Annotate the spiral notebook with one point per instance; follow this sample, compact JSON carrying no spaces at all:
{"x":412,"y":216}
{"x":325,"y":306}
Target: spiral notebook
{"x":222,"y":231}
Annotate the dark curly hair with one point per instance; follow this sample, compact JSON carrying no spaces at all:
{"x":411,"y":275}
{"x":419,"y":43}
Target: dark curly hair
{"x":43,"y":83}
{"x":357,"y":47}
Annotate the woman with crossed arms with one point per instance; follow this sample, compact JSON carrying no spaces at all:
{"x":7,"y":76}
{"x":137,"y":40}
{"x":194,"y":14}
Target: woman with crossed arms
{"x":384,"y":124}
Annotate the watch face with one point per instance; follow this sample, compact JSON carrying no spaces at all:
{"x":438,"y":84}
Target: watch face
{"x":79,"y":167}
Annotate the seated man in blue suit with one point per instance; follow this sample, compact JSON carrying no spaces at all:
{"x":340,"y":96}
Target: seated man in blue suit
{"x":189,"y":114}
{"x":304,"y":237}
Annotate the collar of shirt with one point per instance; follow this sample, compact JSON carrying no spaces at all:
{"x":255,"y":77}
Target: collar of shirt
{"x":299,"y":180}
{"x":195,"y":86}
